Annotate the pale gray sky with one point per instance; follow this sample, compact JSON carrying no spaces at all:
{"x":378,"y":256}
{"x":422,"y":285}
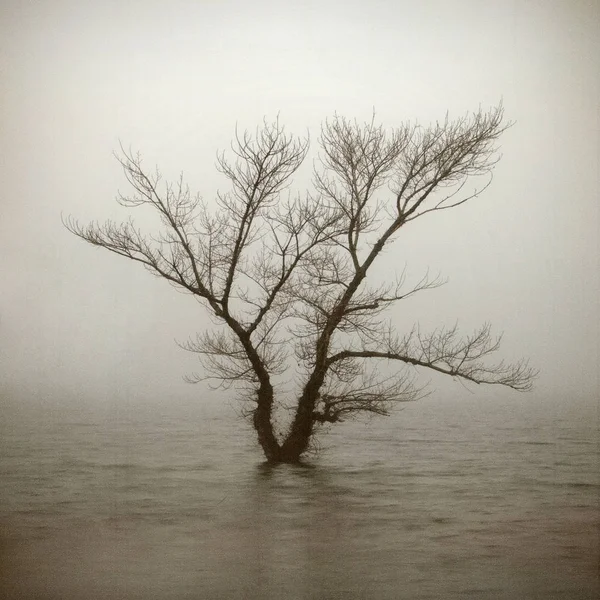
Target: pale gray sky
{"x":173,"y":78}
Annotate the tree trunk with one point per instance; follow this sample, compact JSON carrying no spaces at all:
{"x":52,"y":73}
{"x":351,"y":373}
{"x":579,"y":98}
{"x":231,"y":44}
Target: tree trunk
{"x":301,"y":430}
{"x":264,"y":427}
{"x":296,"y":443}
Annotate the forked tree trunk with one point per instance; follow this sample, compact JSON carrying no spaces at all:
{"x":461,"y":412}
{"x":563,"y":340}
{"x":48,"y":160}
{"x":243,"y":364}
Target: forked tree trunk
{"x":297,"y":440}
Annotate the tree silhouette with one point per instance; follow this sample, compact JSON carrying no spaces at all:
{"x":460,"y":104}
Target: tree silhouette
{"x":285,"y":276}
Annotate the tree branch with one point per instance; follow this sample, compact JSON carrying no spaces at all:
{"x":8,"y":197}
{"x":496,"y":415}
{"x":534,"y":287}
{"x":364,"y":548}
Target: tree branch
{"x":442,"y":352}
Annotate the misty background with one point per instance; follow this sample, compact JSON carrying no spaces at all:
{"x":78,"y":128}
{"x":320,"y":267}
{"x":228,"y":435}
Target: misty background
{"x":79,"y":325}
{"x":121,"y":480}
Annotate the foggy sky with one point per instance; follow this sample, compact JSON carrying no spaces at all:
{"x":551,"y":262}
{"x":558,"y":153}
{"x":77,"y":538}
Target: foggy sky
{"x":173,"y":79}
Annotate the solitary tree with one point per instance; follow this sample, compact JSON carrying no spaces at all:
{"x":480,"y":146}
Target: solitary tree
{"x":286,"y":276}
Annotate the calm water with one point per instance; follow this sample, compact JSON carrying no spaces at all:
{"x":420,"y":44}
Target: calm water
{"x":462,"y":499}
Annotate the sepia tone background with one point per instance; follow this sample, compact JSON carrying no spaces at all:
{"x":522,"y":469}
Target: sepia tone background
{"x":110,"y":460}
{"x":172,"y":82}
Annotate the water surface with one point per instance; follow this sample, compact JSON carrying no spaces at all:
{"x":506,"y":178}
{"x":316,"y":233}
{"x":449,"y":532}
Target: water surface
{"x":461,"y":499}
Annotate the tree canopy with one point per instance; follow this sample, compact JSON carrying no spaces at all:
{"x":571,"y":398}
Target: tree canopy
{"x":285,"y":275}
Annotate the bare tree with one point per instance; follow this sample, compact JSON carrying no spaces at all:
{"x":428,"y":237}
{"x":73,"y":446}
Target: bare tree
{"x":285,"y":276}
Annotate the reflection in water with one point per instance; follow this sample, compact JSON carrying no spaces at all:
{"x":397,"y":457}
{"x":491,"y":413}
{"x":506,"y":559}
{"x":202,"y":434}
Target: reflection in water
{"x":487,"y":502}
{"x":298,"y":516}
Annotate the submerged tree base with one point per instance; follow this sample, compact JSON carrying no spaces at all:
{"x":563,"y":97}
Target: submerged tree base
{"x":286,"y":460}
